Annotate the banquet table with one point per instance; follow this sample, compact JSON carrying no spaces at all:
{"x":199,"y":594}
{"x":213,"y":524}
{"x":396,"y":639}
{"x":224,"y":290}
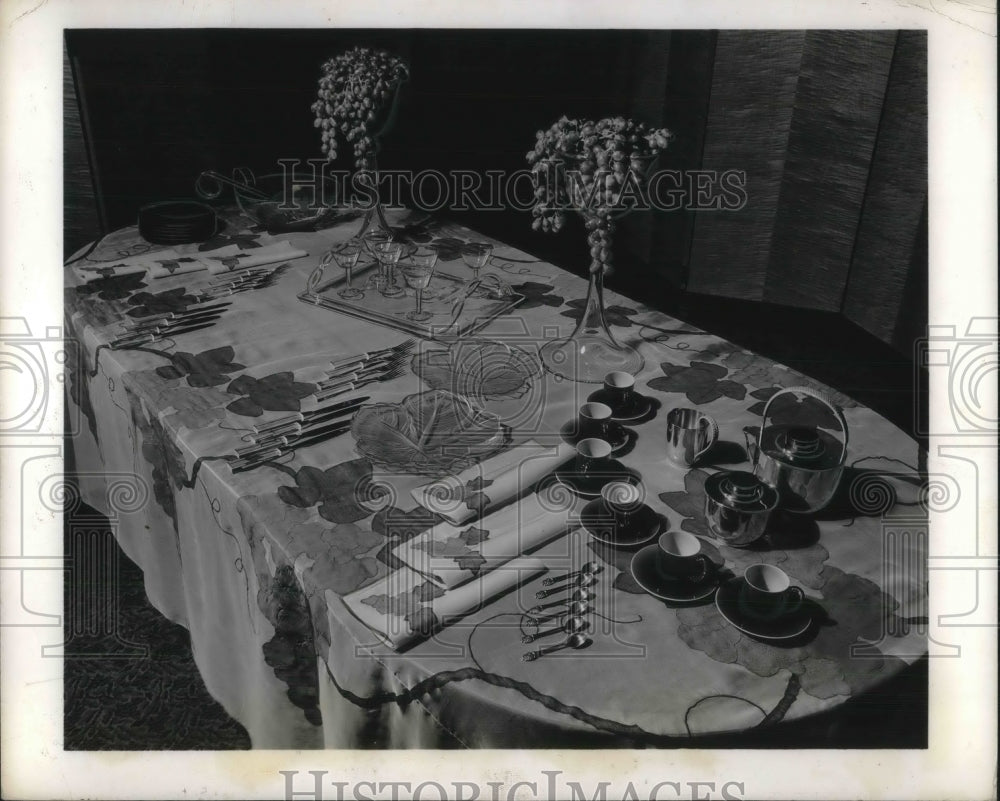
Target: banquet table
{"x":280,"y":572}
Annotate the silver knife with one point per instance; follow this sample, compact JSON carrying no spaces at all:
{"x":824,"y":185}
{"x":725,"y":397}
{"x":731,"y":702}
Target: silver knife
{"x":310,"y":415}
{"x":127,"y":342}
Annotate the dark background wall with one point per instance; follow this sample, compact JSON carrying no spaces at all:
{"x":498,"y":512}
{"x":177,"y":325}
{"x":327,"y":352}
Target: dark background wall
{"x":829,"y":126}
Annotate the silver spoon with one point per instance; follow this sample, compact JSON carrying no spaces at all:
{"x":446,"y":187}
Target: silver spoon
{"x":589,"y":569}
{"x":573,"y":641}
{"x":579,"y":594}
{"x":575,"y":608}
{"x":572,"y":626}
{"x":583,"y":581}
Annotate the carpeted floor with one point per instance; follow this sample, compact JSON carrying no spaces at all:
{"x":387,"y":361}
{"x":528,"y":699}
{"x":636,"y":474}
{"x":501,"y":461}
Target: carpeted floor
{"x":130,"y":680}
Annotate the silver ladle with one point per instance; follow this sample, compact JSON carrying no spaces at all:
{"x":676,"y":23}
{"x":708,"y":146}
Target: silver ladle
{"x":573,"y":641}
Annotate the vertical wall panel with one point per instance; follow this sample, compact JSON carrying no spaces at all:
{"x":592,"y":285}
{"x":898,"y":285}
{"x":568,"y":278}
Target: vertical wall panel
{"x":891,"y":217}
{"x":838,"y":105}
{"x":750,"y":113}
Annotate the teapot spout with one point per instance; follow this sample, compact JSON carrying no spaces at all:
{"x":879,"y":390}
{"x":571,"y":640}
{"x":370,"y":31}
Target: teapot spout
{"x":750,"y":434}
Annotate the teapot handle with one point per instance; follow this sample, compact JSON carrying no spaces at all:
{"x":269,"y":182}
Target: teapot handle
{"x":816,"y":396}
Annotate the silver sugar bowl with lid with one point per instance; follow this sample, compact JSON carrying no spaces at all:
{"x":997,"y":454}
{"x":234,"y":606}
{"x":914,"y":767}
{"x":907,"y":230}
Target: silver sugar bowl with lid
{"x":737,"y":506}
{"x":803,"y":463}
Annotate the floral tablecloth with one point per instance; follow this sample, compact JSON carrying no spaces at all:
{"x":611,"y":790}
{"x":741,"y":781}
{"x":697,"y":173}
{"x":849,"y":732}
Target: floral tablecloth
{"x":257,"y":564}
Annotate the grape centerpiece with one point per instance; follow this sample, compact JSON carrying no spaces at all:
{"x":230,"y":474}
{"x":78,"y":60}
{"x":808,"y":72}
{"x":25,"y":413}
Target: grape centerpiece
{"x":356,"y":105}
{"x":600,"y":170}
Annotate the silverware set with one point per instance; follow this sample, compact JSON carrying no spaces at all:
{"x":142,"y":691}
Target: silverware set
{"x":571,"y":617}
{"x":351,"y":373}
{"x":151,"y":328}
{"x":284,"y":435}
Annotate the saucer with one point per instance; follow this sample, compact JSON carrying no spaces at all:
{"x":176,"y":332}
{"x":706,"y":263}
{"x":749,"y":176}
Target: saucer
{"x":591,"y":484}
{"x":598,"y":521}
{"x":636,"y":410}
{"x":648,"y":575}
{"x":569,"y":433}
{"x":784,"y":628}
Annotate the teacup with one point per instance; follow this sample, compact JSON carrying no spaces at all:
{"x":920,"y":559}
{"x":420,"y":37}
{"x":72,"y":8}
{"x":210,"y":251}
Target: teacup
{"x":767,"y":593}
{"x":690,"y":434}
{"x":592,"y":456}
{"x":619,"y":387}
{"x":680,"y":556}
{"x":623,"y":500}
{"x":595,"y":421}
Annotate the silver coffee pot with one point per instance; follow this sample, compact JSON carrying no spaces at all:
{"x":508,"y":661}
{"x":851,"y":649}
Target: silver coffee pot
{"x":803,"y":463}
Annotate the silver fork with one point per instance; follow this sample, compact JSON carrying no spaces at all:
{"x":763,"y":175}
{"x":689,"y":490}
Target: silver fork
{"x":340,"y":389}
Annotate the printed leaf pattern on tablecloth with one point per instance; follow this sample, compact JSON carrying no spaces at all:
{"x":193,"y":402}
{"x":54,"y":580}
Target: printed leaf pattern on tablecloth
{"x":116,"y":287}
{"x":700,"y":382}
{"x":338,"y":491}
{"x":145,"y":304}
{"x":210,"y":368}
{"x":279,"y":392}
{"x":409,"y":606}
{"x":851,"y":607}
{"x":756,"y":371}
{"x":613,"y":315}
{"x":291,"y":652}
{"x":537,"y":295}
{"x":448,"y":248}
{"x":173,"y":265}
{"x":461,"y":549}
{"x":162,"y":454}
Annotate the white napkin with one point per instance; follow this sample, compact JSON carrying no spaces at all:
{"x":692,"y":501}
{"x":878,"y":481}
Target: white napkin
{"x":452,"y":555}
{"x":232,"y":257}
{"x":160,"y":264}
{"x":489,"y":484}
{"x":404,"y":606}
{"x":130,"y":265}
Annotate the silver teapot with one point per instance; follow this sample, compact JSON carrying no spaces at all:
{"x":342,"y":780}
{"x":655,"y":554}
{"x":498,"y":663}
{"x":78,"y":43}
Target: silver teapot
{"x":803,"y":463}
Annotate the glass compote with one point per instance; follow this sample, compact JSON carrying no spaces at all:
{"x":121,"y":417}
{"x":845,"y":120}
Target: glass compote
{"x":347,"y":256}
{"x":388,"y":254}
{"x":477,"y":255}
{"x":417,"y":270}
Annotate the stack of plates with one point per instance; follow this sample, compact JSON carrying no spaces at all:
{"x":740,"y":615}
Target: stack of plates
{"x":176,"y":222}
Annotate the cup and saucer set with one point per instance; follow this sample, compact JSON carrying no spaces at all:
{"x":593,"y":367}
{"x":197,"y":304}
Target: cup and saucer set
{"x":619,"y":394}
{"x":764,"y":604}
{"x":675,"y":569}
{"x":619,"y":518}
{"x":593,"y":468}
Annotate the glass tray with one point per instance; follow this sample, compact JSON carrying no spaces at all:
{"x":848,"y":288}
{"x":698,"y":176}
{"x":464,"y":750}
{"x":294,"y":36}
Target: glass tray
{"x":455,"y":312}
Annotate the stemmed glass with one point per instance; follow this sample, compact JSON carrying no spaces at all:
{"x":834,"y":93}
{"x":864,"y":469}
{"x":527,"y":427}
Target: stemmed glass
{"x":388,"y":254}
{"x":417,"y":271}
{"x":346,"y":257}
{"x":477,"y":255}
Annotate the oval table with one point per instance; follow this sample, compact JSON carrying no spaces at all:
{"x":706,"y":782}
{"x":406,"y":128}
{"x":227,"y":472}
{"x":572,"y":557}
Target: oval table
{"x":268,"y":568}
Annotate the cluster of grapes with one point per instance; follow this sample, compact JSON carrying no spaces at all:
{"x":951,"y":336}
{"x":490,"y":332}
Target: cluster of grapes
{"x":353,"y":90}
{"x":584,"y":165}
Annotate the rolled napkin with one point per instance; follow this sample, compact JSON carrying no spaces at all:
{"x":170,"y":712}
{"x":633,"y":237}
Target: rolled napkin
{"x":177,"y":265}
{"x":404,"y":606}
{"x":453,"y":555}
{"x":129,"y":265}
{"x":233,"y":257}
{"x":485,"y":486}
{"x":161,"y":264}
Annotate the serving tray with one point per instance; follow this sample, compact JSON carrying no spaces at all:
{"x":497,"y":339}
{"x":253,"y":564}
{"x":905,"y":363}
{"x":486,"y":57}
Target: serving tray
{"x":456,"y":312}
